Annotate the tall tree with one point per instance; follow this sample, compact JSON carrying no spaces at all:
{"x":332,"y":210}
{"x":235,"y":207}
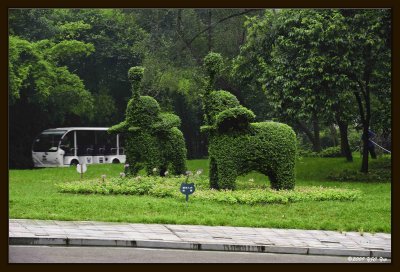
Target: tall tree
{"x":41,"y":93}
{"x":370,"y":69}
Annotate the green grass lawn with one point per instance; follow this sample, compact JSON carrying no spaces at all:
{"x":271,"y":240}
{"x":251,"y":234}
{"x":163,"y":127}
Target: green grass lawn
{"x":33,"y":194}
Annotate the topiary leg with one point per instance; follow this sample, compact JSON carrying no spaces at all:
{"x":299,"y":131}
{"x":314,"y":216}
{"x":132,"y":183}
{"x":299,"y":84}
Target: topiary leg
{"x":283,"y":177}
{"x":213,"y":174}
{"x":227,"y":175}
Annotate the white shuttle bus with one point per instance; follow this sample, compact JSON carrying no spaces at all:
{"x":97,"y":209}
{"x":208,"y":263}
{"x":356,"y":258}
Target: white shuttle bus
{"x":72,"y":145}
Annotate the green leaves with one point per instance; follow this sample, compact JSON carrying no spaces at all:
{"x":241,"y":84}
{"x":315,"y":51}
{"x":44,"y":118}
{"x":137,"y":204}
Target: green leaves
{"x":31,"y":68}
{"x":236,"y":118}
{"x":169,"y":187}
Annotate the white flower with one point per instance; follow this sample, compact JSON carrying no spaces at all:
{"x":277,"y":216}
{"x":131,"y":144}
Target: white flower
{"x":198,"y":172}
{"x":103,"y":177}
{"x":126,"y":165}
{"x":166,"y":173}
{"x":251,"y":180}
{"x":154,"y":169}
{"x":189,"y":173}
{"x":122,"y":175}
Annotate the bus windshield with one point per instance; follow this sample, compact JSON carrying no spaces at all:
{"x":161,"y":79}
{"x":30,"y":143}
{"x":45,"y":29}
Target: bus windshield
{"x":48,"y":141}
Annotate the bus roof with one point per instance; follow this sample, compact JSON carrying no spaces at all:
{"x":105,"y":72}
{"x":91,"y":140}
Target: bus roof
{"x":79,"y":128}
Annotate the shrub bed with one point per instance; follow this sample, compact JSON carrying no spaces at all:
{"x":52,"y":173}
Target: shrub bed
{"x":169,"y":187}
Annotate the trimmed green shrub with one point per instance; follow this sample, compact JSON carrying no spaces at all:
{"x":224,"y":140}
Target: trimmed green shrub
{"x":266,"y":147}
{"x":237,"y":146}
{"x":153,"y":140}
{"x":169,"y":187}
{"x":237,"y":118}
{"x":213,"y":63}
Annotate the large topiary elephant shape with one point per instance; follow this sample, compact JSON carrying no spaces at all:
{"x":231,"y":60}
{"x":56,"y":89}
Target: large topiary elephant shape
{"x":153,"y":140}
{"x":238,"y":146}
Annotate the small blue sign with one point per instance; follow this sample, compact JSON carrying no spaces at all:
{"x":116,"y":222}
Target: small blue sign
{"x":187,"y":189}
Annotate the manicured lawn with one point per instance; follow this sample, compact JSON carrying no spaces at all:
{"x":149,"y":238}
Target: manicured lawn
{"x":33,"y":194}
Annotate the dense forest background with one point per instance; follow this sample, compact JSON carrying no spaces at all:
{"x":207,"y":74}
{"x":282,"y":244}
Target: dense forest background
{"x":327,"y":73}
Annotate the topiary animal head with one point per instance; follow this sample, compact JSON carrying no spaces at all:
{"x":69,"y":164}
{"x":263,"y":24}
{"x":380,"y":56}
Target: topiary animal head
{"x":224,"y":112}
{"x":213,"y":64}
{"x":135,"y":75}
{"x":142,"y":112}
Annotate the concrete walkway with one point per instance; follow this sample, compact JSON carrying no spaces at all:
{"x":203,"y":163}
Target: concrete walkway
{"x":89,"y":233}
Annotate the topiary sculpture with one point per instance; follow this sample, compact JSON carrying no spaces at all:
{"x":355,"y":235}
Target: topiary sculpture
{"x":153,"y":140}
{"x":238,"y":146}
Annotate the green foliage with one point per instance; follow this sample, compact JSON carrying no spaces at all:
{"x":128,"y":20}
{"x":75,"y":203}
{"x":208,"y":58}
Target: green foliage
{"x":216,"y":102}
{"x":153,"y":140}
{"x":380,"y":171}
{"x":237,"y":118}
{"x":33,"y":194}
{"x":330,"y":152}
{"x":167,"y":121}
{"x":32,"y":68}
{"x":213,"y":63}
{"x":142,"y":112}
{"x":376,"y":175}
{"x":135,"y":74}
{"x":237,"y":146}
{"x":169,"y":187}
{"x":66,"y":51}
{"x":73,"y":30}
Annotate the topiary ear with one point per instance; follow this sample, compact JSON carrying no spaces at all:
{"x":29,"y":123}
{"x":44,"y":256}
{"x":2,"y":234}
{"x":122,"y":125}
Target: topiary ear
{"x":237,"y":118}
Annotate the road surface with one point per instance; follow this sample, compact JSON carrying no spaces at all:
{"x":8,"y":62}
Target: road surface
{"x":47,"y":254}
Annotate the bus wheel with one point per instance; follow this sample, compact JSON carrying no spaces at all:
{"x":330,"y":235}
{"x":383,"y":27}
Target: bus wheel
{"x":74,"y":163}
{"x":115,"y":161}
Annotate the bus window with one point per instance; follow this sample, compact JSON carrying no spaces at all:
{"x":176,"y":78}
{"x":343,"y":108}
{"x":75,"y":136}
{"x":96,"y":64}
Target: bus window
{"x":100,"y":142}
{"x":85,"y":141}
{"x":67,"y":144}
{"x":48,"y":141}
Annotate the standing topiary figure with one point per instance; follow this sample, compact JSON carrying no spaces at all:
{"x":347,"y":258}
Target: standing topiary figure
{"x":153,"y":140}
{"x":238,"y":146}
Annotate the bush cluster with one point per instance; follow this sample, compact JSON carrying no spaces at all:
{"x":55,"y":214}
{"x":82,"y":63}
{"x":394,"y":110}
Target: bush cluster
{"x":153,"y":140}
{"x":169,"y":187}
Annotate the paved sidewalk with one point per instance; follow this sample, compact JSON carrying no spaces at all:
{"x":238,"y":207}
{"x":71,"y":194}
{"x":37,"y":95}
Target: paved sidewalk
{"x":88,"y":233}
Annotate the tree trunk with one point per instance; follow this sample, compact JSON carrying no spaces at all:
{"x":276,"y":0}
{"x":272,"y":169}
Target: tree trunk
{"x":317,"y":142}
{"x":364,"y":164}
{"x":310,"y":135}
{"x":344,"y":141}
{"x":365,"y":119}
{"x":333,"y":134}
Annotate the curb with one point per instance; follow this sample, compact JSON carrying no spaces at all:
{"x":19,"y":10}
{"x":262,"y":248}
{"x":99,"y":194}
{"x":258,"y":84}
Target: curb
{"x":46,"y":241}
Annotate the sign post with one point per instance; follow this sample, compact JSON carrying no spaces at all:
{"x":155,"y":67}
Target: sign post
{"x":81,"y":168}
{"x":187,"y":189}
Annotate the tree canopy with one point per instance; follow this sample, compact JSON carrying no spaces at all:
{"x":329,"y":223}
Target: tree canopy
{"x":318,"y":70}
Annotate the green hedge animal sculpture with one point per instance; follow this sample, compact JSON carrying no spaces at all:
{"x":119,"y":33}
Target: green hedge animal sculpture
{"x":238,"y":146}
{"x":153,"y":140}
